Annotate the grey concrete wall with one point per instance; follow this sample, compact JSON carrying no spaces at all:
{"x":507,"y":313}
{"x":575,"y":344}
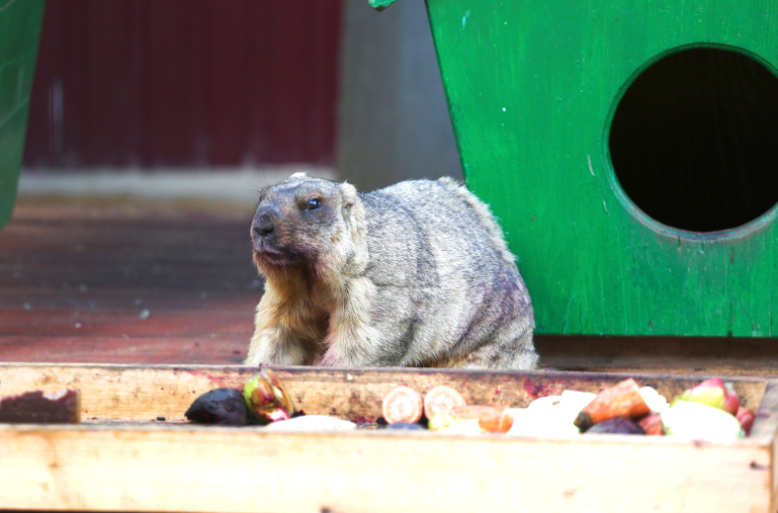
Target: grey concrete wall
{"x":393,"y":119}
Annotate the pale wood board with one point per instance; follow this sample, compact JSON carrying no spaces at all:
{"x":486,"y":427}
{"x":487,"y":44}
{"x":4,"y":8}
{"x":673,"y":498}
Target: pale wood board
{"x":202,"y":469}
{"x":174,"y":467}
{"x":766,"y":428}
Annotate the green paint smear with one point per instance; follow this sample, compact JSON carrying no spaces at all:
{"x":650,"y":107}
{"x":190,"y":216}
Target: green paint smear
{"x":20,"y":25}
{"x":380,"y":5}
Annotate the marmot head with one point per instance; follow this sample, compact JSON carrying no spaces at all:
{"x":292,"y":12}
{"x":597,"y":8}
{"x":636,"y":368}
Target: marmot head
{"x":307,"y":223}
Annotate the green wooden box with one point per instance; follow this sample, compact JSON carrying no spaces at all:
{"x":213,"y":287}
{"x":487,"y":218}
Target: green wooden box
{"x":627,"y":149}
{"x":20,"y":26}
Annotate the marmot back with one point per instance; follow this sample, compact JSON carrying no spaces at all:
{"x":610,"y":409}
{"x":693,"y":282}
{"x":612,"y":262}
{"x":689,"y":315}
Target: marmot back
{"x":416,"y":274}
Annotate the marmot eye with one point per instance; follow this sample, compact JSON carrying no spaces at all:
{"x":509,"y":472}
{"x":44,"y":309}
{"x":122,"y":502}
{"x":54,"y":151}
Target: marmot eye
{"x":313,"y":204}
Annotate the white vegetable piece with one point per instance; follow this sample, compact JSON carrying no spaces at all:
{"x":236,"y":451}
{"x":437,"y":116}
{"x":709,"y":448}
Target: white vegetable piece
{"x":466,"y":427}
{"x":550,"y":416}
{"x":311,"y":423}
{"x":655,"y":401}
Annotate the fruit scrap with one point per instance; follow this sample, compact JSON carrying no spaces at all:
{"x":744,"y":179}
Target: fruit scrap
{"x":403,"y":404}
{"x":495,"y":419}
{"x":550,"y":416}
{"x":266,"y":397}
{"x":61,"y":407}
{"x":699,"y":421}
{"x":466,"y":427}
{"x":652,"y":424}
{"x":408,"y":426}
{"x":616,"y":426}
{"x":441,"y":421}
{"x":655,"y":401}
{"x":310,"y":423}
{"x":712,"y":392}
{"x":223,"y":406}
{"x":440,"y":400}
{"x":746,"y":419}
{"x":620,"y":400}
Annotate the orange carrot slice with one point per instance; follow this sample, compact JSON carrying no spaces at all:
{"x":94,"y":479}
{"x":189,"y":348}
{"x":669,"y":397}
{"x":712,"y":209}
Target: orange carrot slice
{"x":506,"y":421}
{"x":440,"y":400}
{"x":403,"y":404}
{"x":490,"y":418}
{"x":620,"y":400}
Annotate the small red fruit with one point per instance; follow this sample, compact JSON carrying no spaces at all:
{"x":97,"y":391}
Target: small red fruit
{"x":746,"y":419}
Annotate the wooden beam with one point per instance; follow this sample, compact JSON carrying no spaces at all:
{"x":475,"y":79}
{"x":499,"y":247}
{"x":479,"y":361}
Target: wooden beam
{"x":242,"y":469}
{"x":145,"y":392}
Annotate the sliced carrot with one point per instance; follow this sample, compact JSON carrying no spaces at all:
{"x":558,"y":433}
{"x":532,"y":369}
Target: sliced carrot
{"x":652,"y":424}
{"x":506,"y":421}
{"x":440,"y":400}
{"x":490,"y":418}
{"x":620,"y":400}
{"x":403,"y":404}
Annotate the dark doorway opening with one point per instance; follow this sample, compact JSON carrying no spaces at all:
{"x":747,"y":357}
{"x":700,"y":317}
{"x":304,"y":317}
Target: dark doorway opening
{"x":694,"y":140}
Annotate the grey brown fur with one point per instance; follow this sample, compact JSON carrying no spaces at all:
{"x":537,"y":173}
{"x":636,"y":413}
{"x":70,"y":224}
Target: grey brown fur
{"x":416,"y":274}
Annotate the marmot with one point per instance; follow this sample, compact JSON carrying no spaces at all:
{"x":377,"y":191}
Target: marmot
{"x":417,"y":274}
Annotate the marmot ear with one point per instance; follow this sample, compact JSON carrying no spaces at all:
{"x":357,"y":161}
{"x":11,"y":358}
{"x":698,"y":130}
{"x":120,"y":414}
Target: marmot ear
{"x":354,"y":217}
{"x":349,"y":194}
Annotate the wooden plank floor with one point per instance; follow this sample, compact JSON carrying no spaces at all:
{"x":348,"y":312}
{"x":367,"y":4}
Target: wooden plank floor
{"x":109,"y":281}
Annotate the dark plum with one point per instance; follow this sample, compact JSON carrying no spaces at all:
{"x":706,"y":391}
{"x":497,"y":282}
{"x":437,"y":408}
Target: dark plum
{"x":405,"y":425}
{"x":616,"y":426}
{"x":223,"y":406}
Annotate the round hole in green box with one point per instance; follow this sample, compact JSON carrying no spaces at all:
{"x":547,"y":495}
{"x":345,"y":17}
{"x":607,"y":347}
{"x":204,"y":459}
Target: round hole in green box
{"x":694,"y":140}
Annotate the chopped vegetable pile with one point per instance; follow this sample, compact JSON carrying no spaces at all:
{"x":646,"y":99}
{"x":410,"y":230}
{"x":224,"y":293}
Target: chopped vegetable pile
{"x":709,"y":411}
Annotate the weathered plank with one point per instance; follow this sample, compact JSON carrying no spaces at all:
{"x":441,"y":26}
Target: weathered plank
{"x":198,"y":469}
{"x":662,"y":355}
{"x":144,"y":392}
{"x":160,"y":349}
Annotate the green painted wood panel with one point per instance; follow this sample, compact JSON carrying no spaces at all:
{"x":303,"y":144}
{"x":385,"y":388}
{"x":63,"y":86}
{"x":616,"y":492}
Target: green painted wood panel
{"x":380,"y":5}
{"x":20,"y":26}
{"x":531,"y":88}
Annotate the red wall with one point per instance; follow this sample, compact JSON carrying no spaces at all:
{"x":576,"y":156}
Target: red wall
{"x":185,"y":83}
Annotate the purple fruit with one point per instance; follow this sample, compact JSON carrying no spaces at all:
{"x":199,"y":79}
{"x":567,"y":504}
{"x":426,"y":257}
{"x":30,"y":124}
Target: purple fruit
{"x":406,"y":425}
{"x":617,"y":426}
{"x":223,"y":406}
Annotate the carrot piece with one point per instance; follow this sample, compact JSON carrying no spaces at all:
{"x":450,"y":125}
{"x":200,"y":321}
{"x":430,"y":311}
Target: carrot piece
{"x":403,"y":404}
{"x":506,"y":421}
{"x":620,"y":400}
{"x":652,"y":424}
{"x":491,"y":418}
{"x":440,"y":400}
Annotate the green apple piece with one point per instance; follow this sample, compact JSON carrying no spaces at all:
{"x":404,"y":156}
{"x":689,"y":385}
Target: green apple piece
{"x":697,"y":421}
{"x":712,"y":392}
{"x":266,"y":397}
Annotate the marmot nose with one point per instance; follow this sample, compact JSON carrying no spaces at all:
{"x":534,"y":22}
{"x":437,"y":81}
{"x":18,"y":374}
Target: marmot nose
{"x":263,"y":230}
{"x":264,"y":221}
